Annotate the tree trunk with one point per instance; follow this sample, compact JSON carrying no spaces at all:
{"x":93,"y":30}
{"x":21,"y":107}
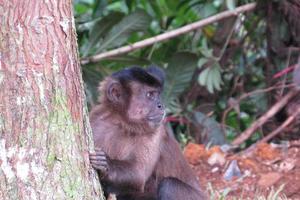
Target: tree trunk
{"x":45,"y":132}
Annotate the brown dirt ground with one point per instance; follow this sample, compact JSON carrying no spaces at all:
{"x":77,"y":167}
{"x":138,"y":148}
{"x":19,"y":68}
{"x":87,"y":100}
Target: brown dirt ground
{"x":267,"y":166}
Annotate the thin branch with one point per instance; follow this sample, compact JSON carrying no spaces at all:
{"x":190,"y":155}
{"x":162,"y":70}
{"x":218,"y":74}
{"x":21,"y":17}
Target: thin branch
{"x":170,"y":34}
{"x":286,"y":123}
{"x":249,"y":94}
{"x":227,"y":40}
{"x":270,"y":113}
{"x":284,"y":71}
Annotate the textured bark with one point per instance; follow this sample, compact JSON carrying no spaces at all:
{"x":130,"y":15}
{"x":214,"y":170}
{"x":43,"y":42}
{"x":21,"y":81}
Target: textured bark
{"x":44,"y":130}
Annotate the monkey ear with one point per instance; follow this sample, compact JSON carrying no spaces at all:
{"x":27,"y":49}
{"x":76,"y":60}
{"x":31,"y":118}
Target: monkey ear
{"x":114,"y":92}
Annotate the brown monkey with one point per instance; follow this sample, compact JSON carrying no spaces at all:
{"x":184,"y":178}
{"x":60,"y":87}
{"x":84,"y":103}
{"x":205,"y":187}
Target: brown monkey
{"x":135,"y":157}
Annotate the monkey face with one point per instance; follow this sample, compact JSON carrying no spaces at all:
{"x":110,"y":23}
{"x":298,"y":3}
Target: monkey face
{"x":133,"y":94}
{"x":145,"y":105}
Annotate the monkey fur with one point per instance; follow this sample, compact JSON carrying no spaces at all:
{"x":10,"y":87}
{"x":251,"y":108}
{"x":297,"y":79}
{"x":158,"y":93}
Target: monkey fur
{"x":134,"y":156}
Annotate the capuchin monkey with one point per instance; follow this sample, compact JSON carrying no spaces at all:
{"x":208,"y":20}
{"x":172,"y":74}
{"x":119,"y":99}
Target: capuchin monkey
{"x":135,"y":157}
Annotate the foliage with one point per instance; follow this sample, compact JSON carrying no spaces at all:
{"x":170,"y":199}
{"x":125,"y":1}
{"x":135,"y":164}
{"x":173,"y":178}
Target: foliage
{"x":113,"y":30}
{"x":227,"y":58}
{"x":210,"y":76}
{"x":179,"y":72}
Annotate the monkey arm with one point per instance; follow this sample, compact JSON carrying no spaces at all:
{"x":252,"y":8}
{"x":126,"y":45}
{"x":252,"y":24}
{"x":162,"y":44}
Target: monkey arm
{"x":173,"y":164}
{"x":123,"y":174}
{"x":126,"y":175}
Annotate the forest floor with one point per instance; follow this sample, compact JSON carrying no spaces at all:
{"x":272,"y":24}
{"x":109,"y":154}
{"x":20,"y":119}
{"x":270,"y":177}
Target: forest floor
{"x":266,"y":167}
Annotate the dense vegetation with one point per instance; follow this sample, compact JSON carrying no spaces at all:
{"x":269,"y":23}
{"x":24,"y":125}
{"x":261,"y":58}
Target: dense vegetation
{"x":215,"y":75}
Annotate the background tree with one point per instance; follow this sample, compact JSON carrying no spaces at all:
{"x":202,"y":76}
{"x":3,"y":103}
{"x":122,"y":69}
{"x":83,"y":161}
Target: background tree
{"x":45,"y":133}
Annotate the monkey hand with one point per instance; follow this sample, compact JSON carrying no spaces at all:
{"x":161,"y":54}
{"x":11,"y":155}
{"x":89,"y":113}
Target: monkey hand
{"x":99,"y":160}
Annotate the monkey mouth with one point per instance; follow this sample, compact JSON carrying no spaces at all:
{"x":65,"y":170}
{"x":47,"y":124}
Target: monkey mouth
{"x":156,"y":118}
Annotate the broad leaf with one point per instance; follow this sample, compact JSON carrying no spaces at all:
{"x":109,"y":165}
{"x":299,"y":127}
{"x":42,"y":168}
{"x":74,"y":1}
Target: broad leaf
{"x":136,"y":21}
{"x":201,"y":62}
{"x":211,"y":77}
{"x":230,"y":4}
{"x":212,"y":132}
{"x":100,"y":29}
{"x":179,"y":74}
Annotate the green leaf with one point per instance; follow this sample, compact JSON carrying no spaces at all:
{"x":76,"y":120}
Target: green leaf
{"x":209,"y":81}
{"x":211,"y":77}
{"x":204,"y":44}
{"x":179,"y":74}
{"x":80,"y":9}
{"x":207,"y":10}
{"x":208,"y":53}
{"x":215,"y":135}
{"x":136,"y":21}
{"x":99,"y":7}
{"x":230,"y":4}
{"x":203,"y":76}
{"x":217,"y":80}
{"x":201,"y":62}
{"x":99,"y":29}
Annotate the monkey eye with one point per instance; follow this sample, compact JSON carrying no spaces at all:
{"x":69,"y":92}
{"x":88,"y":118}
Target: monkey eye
{"x":150,"y":95}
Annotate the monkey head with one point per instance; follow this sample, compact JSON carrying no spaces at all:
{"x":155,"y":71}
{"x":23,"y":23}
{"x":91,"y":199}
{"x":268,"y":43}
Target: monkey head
{"x":135,"y":95}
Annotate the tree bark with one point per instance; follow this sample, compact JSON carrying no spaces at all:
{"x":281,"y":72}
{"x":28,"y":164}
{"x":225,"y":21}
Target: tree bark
{"x":45,"y":134}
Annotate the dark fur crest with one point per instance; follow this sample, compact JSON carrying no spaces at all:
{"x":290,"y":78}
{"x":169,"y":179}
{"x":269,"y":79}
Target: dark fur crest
{"x":152,"y":76}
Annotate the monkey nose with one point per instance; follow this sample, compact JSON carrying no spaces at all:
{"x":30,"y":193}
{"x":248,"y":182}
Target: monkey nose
{"x":160,"y":106}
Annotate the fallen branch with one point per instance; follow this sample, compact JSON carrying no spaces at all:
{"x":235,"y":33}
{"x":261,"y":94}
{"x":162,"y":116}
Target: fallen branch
{"x":285,"y":124}
{"x":249,"y":94}
{"x":170,"y":34}
{"x":271,"y":112}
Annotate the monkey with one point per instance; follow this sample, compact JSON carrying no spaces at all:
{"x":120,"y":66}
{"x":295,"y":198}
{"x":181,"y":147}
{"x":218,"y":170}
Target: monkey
{"x":134,"y":155}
